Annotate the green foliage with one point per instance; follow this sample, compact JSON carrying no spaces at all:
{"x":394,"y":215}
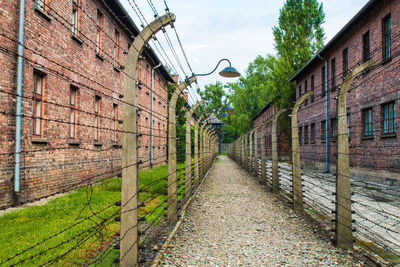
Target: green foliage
{"x":298,"y":36}
{"x":180,"y":124}
{"x":214,"y":97}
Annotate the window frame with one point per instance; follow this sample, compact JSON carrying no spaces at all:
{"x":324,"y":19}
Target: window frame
{"x":97,"y":119}
{"x":313,"y":133}
{"x":117,"y":44}
{"x":324,"y":130}
{"x":345,"y":58}
{"x":334,"y":128}
{"x":76,"y":14}
{"x":115,"y":123}
{"x":99,"y":32}
{"x":73,"y":111}
{"x":312,"y":87}
{"x":306,"y":137}
{"x":305,"y":91}
{"x":323,"y":81}
{"x":370,"y":132}
{"x":391,"y":120}
{"x":37,"y":98}
{"x":387,"y":37}
{"x":366,"y":39}
{"x":333,"y":74}
{"x":300,"y":135}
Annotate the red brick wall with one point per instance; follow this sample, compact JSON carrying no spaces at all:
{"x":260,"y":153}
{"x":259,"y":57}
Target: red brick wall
{"x":371,"y":89}
{"x":55,"y":165}
{"x":284,"y":147}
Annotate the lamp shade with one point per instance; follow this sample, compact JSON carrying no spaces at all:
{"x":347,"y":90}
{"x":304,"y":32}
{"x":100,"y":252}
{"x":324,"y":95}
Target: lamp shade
{"x":229,"y":72}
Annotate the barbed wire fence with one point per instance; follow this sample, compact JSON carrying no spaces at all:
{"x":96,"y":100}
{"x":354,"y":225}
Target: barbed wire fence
{"x":87,"y":155}
{"x":368,"y":215}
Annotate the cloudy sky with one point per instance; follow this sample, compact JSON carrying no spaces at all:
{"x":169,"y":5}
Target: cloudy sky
{"x":236,"y":29}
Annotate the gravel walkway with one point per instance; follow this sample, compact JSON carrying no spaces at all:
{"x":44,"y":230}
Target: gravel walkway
{"x":234,"y":221}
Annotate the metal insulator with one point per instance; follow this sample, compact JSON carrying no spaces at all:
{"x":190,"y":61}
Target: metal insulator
{"x":142,"y":219}
{"x":118,"y":203}
{"x":116,"y":260}
{"x":117,"y":246}
{"x":117,"y":219}
{"x":141,"y":204}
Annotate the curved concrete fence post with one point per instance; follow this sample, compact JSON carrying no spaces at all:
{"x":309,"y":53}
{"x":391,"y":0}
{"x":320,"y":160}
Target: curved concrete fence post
{"x":172,"y":158}
{"x":296,"y":167}
{"x":275,"y":159}
{"x":129,"y":247}
{"x":343,"y":224}
{"x":188,"y":159}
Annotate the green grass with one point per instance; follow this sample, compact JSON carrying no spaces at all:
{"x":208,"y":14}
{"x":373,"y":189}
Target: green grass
{"x":224,"y":154}
{"x":23,"y":228}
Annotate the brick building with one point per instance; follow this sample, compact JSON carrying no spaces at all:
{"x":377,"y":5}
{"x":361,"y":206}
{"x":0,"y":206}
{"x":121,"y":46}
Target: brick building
{"x":284,"y":146}
{"x":372,"y":102}
{"x":73,"y":75}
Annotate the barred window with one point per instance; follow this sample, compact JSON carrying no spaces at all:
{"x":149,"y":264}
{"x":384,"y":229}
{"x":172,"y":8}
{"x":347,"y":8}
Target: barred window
{"x":300,"y":135}
{"x":366,"y":47}
{"x":333,"y":74}
{"x":97,"y":110}
{"x":76,"y":10}
{"x":323,"y":81}
{"x":367,"y":122}
{"x":313,"y":132}
{"x":323,"y":130}
{"x":99,"y":32}
{"x":389,"y":124}
{"x":387,"y":37}
{"x":345,"y":62}
{"x":312,"y":88}
{"x":334,"y":127}
{"x":306,"y":134}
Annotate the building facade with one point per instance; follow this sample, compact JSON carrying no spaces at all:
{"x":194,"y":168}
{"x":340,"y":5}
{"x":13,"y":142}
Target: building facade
{"x":72,"y":95}
{"x":284,"y":147}
{"x":372,"y":102}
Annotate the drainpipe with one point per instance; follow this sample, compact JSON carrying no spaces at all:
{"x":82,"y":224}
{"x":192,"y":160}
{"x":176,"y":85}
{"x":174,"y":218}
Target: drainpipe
{"x":17,"y":175}
{"x":326,"y":114}
{"x":151,"y":117}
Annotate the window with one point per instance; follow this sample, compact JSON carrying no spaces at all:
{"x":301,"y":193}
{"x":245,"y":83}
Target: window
{"x":41,"y":5}
{"x":389,"y":124}
{"x":306,"y":134}
{"x":323,"y":130}
{"x":312,"y":88}
{"x":312,"y":133}
{"x":73,"y":107}
{"x":345,"y":55}
{"x":323,"y":81}
{"x":386,"y":38}
{"x":367,"y":122}
{"x":300,"y":135}
{"x":116,"y":48}
{"x":99,"y":32}
{"x":38,"y":85}
{"x":366,"y":47}
{"x":75,"y":17}
{"x":334,"y":127}
{"x":305,"y":90}
{"x":299,"y":91}
{"x":97,"y":110}
{"x":333,"y":74}
{"x":348,"y":124}
{"x":115,"y":123}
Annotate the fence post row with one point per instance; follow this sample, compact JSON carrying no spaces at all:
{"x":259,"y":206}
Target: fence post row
{"x":189,"y":172}
{"x":172,"y":176}
{"x":256,"y":153}
{"x":343,"y":223}
{"x":274,"y":134}
{"x":197,"y":140}
{"x":129,"y":252}
{"x":296,"y":167}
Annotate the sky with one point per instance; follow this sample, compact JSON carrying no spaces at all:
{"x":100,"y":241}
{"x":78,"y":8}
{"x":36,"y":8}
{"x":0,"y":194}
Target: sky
{"x":210,"y":30}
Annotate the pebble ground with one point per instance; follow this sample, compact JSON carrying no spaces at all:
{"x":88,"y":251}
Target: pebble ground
{"x":234,"y":221}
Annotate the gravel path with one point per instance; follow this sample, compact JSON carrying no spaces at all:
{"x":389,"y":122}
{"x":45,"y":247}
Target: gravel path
{"x":234,"y":221}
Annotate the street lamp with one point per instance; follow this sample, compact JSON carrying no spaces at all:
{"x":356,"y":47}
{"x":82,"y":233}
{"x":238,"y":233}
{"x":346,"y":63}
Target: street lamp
{"x":228,"y":72}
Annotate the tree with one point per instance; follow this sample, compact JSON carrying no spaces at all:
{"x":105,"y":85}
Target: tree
{"x":214,"y":97}
{"x":298,"y":36}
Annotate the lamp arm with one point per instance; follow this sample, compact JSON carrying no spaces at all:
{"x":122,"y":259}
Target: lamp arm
{"x":205,"y":74}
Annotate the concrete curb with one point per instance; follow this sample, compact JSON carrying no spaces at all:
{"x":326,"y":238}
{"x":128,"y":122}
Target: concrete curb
{"x":164,"y":248}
